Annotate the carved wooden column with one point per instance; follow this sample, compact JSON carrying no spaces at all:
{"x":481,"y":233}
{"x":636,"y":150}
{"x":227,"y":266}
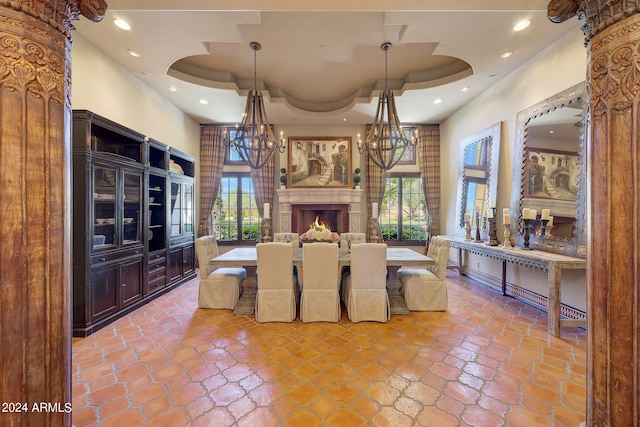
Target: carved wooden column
{"x":35,"y":241}
{"x":612,"y":30}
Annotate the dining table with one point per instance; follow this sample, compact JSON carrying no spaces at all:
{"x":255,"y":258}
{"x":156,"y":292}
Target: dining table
{"x":397,"y":258}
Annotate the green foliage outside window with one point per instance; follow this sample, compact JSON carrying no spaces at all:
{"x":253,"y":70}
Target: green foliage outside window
{"x":404,"y":209}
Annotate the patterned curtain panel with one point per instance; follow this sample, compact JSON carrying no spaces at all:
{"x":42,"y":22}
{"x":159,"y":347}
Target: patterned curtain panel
{"x":429,"y":161}
{"x":375,"y":181}
{"x":211,"y":163}
{"x":262,"y":180}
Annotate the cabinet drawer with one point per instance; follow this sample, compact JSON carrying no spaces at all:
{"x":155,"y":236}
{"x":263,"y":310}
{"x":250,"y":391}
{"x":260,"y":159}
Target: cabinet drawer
{"x":114,"y":256}
{"x":155,"y":256}
{"x":156,"y":267}
{"x":157,"y":281}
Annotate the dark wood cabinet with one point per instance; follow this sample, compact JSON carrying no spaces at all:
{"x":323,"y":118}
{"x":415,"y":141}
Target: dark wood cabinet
{"x":122,"y":220}
{"x":181,"y":255}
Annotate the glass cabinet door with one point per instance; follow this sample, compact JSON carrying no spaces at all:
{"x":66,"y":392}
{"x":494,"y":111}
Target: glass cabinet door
{"x":132,"y":206}
{"x":176,"y":208}
{"x":104,"y":207}
{"x":187,"y":209}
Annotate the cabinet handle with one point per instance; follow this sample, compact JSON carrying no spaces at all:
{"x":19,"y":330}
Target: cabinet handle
{"x":102,"y":259}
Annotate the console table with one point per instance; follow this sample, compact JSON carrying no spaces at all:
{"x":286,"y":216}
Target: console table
{"x":552,"y":263}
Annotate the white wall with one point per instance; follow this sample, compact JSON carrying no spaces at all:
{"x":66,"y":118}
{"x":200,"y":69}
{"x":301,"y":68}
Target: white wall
{"x":559,"y":67}
{"x":105,"y":88}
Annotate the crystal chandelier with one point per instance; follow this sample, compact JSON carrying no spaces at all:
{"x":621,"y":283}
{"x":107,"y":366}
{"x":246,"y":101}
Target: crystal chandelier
{"x":254,"y":140}
{"x":386,"y":142}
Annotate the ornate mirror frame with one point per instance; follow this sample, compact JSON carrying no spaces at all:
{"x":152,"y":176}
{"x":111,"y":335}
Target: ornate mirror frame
{"x":492,"y":136}
{"x":576,"y":245}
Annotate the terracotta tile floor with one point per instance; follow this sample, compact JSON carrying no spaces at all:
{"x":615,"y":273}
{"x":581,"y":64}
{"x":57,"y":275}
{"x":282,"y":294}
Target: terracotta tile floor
{"x":486,"y":362}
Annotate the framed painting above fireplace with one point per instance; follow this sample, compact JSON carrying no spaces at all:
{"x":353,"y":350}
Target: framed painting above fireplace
{"x":319,"y":161}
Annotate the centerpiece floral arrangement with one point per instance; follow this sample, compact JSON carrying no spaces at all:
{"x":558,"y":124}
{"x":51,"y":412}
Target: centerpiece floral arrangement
{"x":318,"y":232}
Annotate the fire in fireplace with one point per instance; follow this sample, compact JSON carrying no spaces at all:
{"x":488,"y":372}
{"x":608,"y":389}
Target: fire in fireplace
{"x":335,"y":217}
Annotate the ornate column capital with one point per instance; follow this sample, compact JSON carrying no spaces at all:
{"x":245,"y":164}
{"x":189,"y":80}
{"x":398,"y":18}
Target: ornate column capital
{"x":59,"y":14}
{"x":596,"y":15}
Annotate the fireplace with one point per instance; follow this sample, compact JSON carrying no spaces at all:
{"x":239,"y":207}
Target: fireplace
{"x":338,"y":208}
{"x":334,"y":216}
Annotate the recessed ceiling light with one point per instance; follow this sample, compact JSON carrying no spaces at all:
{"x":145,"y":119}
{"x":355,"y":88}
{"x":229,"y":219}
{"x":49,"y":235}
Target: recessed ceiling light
{"x":344,"y":119}
{"x":134,"y":53}
{"x":204,"y":101}
{"x":172,"y":88}
{"x":521,"y":25}
{"x":437,"y":100}
{"x":120,"y":23}
{"x":506,"y":54}
{"x":466,"y":88}
{"x":551,"y":131}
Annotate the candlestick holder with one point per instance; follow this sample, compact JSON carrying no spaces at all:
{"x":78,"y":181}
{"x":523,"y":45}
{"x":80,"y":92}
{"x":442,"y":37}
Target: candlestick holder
{"x":543,"y":230}
{"x":265,"y":230}
{"x":349,"y":243}
{"x":478,"y":239}
{"x":375,"y":237}
{"x":493,"y":230}
{"x":527,"y":233}
{"x":467,"y":228}
{"x":507,"y":238}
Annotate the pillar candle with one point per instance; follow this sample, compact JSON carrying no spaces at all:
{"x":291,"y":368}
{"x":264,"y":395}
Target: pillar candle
{"x":533,"y":213}
{"x":545,"y":214}
{"x":374,"y":210}
{"x":505,"y":211}
{"x":525,"y":213}
{"x":467,"y":217}
{"x":266,"y":210}
{"x":506,"y":219}
{"x":550,"y":223}
{"x":490,"y":213}
{"x":492,"y":203}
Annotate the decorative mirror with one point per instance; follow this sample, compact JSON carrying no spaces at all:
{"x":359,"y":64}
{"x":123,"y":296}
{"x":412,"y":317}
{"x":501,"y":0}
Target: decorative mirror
{"x":477,"y":175}
{"x":549,"y":174}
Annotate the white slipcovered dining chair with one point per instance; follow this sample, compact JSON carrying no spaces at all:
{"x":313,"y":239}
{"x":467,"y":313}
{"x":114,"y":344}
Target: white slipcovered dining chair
{"x":355,"y":239}
{"x":425,"y":289}
{"x":364,"y":289}
{"x":320,"y":299}
{"x":278,"y":294}
{"x":294,"y":238}
{"x":219,"y":286}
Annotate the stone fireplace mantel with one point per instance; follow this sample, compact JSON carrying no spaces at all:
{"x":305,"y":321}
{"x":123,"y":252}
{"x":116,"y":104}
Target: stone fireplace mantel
{"x":287,"y":198}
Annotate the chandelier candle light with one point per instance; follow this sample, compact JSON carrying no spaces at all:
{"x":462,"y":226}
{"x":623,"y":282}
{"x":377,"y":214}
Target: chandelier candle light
{"x":386,"y":142}
{"x":254,"y":140}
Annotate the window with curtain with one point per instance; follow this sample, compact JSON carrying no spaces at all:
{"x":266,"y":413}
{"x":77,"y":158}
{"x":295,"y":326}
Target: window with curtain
{"x":235,"y":216}
{"x":403,"y":215}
